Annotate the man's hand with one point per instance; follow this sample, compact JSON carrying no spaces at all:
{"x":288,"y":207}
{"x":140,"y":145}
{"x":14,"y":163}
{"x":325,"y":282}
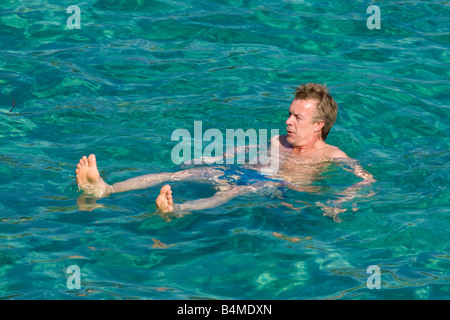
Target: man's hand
{"x":332,"y":211}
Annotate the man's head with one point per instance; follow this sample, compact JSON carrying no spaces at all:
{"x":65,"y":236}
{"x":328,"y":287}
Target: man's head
{"x":325,"y":110}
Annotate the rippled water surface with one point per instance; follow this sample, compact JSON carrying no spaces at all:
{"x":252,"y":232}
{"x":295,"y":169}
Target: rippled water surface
{"x":137,"y":70}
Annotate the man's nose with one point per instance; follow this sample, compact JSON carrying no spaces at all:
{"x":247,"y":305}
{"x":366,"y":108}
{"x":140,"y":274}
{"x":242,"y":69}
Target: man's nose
{"x":288,"y":121}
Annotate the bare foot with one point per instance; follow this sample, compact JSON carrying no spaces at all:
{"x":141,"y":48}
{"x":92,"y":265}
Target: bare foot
{"x":88,"y":178}
{"x":164,"y":201}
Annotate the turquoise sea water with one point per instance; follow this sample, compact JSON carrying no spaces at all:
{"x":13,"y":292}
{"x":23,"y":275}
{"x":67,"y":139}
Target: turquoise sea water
{"x":138,"y":70}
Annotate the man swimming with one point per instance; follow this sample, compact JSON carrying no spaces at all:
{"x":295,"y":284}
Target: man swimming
{"x":302,"y":154}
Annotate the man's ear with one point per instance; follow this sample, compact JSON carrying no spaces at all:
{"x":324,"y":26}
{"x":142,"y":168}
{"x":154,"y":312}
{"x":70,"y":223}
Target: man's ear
{"x":319,"y":125}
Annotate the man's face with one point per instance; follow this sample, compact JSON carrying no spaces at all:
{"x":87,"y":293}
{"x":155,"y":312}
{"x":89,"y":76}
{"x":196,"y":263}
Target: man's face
{"x":300,"y":125}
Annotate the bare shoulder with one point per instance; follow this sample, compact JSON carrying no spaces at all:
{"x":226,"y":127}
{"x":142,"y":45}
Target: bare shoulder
{"x":335,"y":153}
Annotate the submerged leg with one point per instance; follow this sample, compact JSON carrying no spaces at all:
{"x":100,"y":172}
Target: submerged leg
{"x":164,"y":202}
{"x":200,"y":174}
{"x":89,"y":180}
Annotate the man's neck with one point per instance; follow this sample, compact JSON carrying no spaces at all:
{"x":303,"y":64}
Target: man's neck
{"x":308,"y":148}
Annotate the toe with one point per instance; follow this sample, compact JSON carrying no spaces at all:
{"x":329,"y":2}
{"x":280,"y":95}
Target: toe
{"x":91,"y":160}
{"x":166,"y":189}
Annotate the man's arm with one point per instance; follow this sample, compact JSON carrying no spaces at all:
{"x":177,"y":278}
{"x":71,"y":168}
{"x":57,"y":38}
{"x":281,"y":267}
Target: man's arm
{"x":358,"y":171}
{"x":352,"y":192}
{"x":355,"y":168}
